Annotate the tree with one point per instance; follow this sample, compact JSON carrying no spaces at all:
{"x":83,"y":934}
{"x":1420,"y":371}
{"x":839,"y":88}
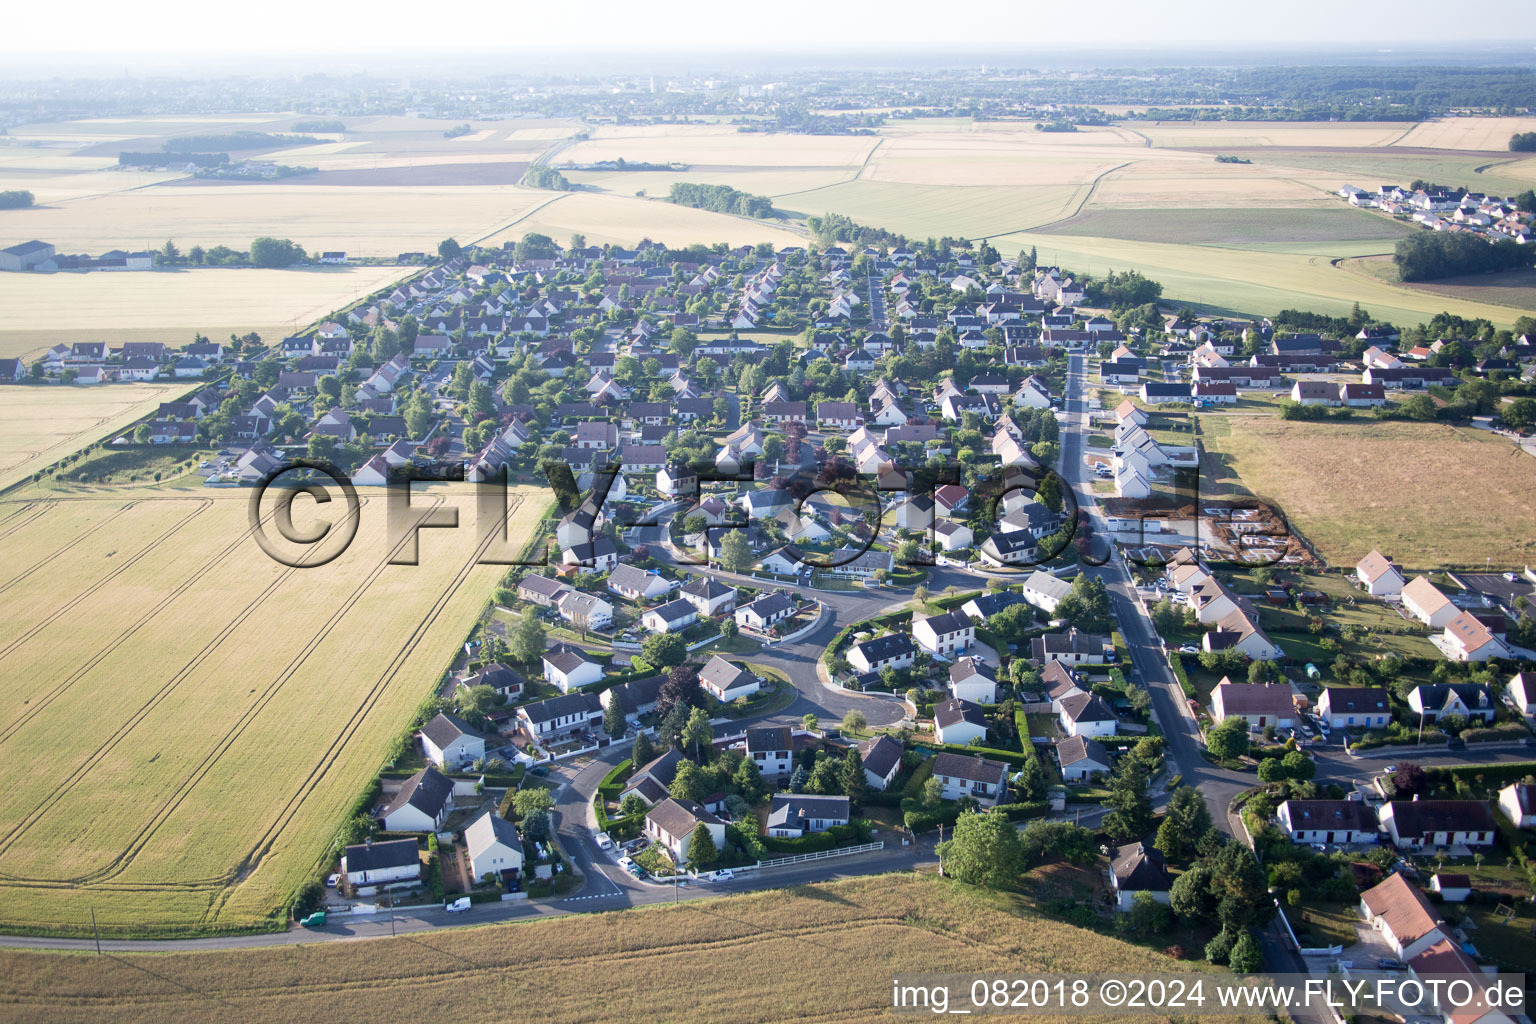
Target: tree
{"x":810,"y":722}
{"x":1228,"y":739}
{"x":1147,"y":916}
{"x":697,"y":733}
{"x":632,"y":805}
{"x":1408,"y":780}
{"x":1130,"y":806}
{"x":798,"y":779}
{"x":985,"y":851}
{"x":1245,"y":957}
{"x":526,"y":643}
{"x":535,"y":827}
{"x":933,"y":793}
{"x":681,"y":690}
{"x":748,"y":780}
{"x":1240,"y":888}
{"x":1190,"y":895}
{"x":1299,"y":766}
{"x":141,"y":433}
{"x":728,"y":627}
{"x":449,"y":249}
{"x":1271,"y":770}
{"x":851,"y":776}
{"x":664,"y":650}
{"x":701,"y":848}
{"x":854,"y":721}
{"x":1166,"y":618}
{"x":644,"y":751}
{"x":735,"y":553}
{"x":169,"y":254}
{"x":531,"y":800}
{"x":613,"y":719}
{"x":275,"y":252}
{"x":1086,"y":603}
{"x":688,"y":783}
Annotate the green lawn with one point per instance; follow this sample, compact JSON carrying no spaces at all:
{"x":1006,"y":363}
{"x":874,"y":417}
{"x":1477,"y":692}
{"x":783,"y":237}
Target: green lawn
{"x":1330,"y":924}
{"x":1511,"y":946}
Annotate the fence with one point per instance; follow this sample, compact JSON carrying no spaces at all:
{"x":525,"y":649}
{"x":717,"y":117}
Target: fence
{"x":801,"y":858}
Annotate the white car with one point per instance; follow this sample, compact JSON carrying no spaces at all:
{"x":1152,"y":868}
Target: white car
{"x":603,"y":842}
{"x":458,"y":906}
{"x":725,"y":875}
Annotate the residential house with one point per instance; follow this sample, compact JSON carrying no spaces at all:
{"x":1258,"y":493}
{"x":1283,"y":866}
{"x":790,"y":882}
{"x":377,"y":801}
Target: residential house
{"x":1407,"y":921}
{"x":670,"y":617}
{"x":1468,"y":638}
{"x":1086,"y":714}
{"x":948,"y":633}
{"x":637,"y":584}
{"x":1434,"y":701}
{"x":772,"y":748}
{"x":791,"y":815}
{"x":448,"y":741}
{"x":973,"y":679}
{"x":882,"y":761}
{"x":769,"y":608}
{"x":892,"y":649}
{"x":958,"y":721}
{"x":675,"y":480}
{"x":708,"y":595}
{"x":1425,"y":602}
{"x":1082,"y":759}
{"x":652,"y":782}
{"x":1518,"y":802}
{"x":671,"y":823}
{"x":585,"y":611}
{"x":502,"y":680}
{"x":1432,"y":824}
{"x":1453,"y":888}
{"x":1138,"y":868}
{"x":371,"y":863}
{"x":493,"y":846}
{"x":1045,"y":591}
{"x":1258,"y":704}
{"x":636,"y":697}
{"x":1354,"y":707}
{"x":422,"y":803}
{"x":980,"y":778}
{"x":1072,"y":647}
{"x":557,"y":717}
{"x":1380,"y":578}
{"x":1522,"y":692}
{"x":1328,"y":821}
{"x":726,"y":682}
{"x":567,"y":668}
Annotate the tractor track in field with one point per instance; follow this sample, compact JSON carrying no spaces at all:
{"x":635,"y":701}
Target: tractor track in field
{"x":56,"y":614}
{"x":64,"y":549}
{"x":25,"y":516}
{"x":202,"y":654}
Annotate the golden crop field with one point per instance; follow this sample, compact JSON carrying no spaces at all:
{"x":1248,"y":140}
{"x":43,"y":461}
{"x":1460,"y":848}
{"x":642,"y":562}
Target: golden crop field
{"x":625,"y":220}
{"x":196,"y":718}
{"x":41,"y":424}
{"x":1400,"y":487}
{"x":45,"y":309}
{"x":1472,"y":133}
{"x":719,"y":960}
{"x":717,"y":146}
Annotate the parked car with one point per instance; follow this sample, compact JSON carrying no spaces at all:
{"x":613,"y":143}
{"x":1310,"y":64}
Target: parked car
{"x":315,"y":920}
{"x":725,"y":875}
{"x":539,"y":769}
{"x":331,"y":881}
{"x":629,"y":865}
{"x":458,"y":906}
{"x":603,"y":842}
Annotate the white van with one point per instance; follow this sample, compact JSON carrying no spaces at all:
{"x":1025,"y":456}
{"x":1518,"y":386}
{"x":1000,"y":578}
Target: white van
{"x":458,"y":906}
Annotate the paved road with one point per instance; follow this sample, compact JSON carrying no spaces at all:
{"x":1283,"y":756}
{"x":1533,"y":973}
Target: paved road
{"x":877,"y":318}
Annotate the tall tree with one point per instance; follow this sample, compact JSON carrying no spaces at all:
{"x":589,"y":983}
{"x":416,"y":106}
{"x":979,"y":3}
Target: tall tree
{"x":697,"y":733}
{"x":702,"y":851}
{"x":851,"y":776}
{"x":985,"y":851}
{"x":526,"y":644}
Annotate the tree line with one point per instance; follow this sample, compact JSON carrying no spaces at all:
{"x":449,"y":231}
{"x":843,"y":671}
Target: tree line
{"x":721,"y":199}
{"x":16,"y":199}
{"x":1522,"y":142}
{"x":1430,"y":255}
{"x":233,"y":140}
{"x":541,"y":176}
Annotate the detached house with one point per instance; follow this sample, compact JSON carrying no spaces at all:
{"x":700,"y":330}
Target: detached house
{"x":1430,"y":824}
{"x":882,"y":761}
{"x":981,"y":779}
{"x":448,"y":741}
{"x":972,"y":679}
{"x":1138,"y":868}
{"x":708,"y":595}
{"x":669,"y":617}
{"x":1258,"y":704}
{"x":1354,"y":707}
{"x":1518,"y":802}
{"x":1435,"y":701}
{"x":1085,"y":714}
{"x":1467,"y":638}
{"x":1379,"y":576}
{"x":893,"y":649}
{"x":948,"y":633}
{"x":772,"y":748}
{"x":1327,"y":821}
{"x":560,"y":716}
{"x":1405,"y":918}
{"x":672,"y":822}
{"x":1424,"y":601}
{"x":1082,"y":759}
{"x":726,"y":682}
{"x":422,"y":803}
{"x":764,"y":612}
{"x":798,"y":814}
{"x":958,"y":721}
{"x":637,"y":584}
{"x":567,"y":668}
{"x":1073,"y":648}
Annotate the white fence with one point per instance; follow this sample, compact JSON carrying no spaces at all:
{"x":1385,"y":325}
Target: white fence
{"x":801,"y":858}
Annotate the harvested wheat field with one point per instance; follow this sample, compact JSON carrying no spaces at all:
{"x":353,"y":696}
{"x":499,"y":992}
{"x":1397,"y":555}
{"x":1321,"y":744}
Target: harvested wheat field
{"x":42,"y":423}
{"x":172,"y":306}
{"x":1472,"y":133}
{"x":1432,"y":496}
{"x":624,"y":220}
{"x":196,"y":718}
{"x":719,"y":960}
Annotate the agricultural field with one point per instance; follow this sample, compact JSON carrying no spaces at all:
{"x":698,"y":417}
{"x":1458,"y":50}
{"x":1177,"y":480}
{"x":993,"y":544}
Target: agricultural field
{"x":170,"y":306}
{"x":1400,"y":487}
{"x":863,"y":931}
{"x":1235,"y":226}
{"x":1513,"y":288}
{"x":161,"y":665}
{"x":41,"y":424}
{"x":626,"y":220}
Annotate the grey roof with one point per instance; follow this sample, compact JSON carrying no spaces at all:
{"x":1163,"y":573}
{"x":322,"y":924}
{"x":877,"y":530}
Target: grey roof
{"x":393,"y":853}
{"x":880,"y":754}
{"x":678,"y":817}
{"x":955,"y":711}
{"x":967,"y":667}
{"x":567,"y":659}
{"x":631,"y":578}
{"x":1086,"y":707}
{"x":1419,"y":817}
{"x":770,"y":737}
{"x":769,"y":605}
{"x":949,"y":622}
{"x":990,"y":604}
{"x":721,"y":674}
{"x":706,"y":587}
{"x":1331,"y":814}
{"x":584,"y":702}
{"x":427,"y":791}
{"x":637,"y":693}
{"x":1079,"y":748}
{"x":446,"y":728}
{"x":662,"y":769}
{"x":1140,"y":868}
{"x":787,"y":809}
{"x":889,"y":646}
{"x":488,"y":828}
{"x":674,"y":611}
{"x":544,"y":586}
{"x":971,"y":768}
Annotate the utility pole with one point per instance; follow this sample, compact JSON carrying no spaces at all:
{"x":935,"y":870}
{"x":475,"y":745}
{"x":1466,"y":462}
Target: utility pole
{"x":95,"y":931}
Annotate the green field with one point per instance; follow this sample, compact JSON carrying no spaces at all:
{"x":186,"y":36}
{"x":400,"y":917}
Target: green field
{"x":1233,"y":226}
{"x":195,"y":718}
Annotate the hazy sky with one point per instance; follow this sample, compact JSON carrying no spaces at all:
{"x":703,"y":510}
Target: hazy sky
{"x":635,"y":26}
